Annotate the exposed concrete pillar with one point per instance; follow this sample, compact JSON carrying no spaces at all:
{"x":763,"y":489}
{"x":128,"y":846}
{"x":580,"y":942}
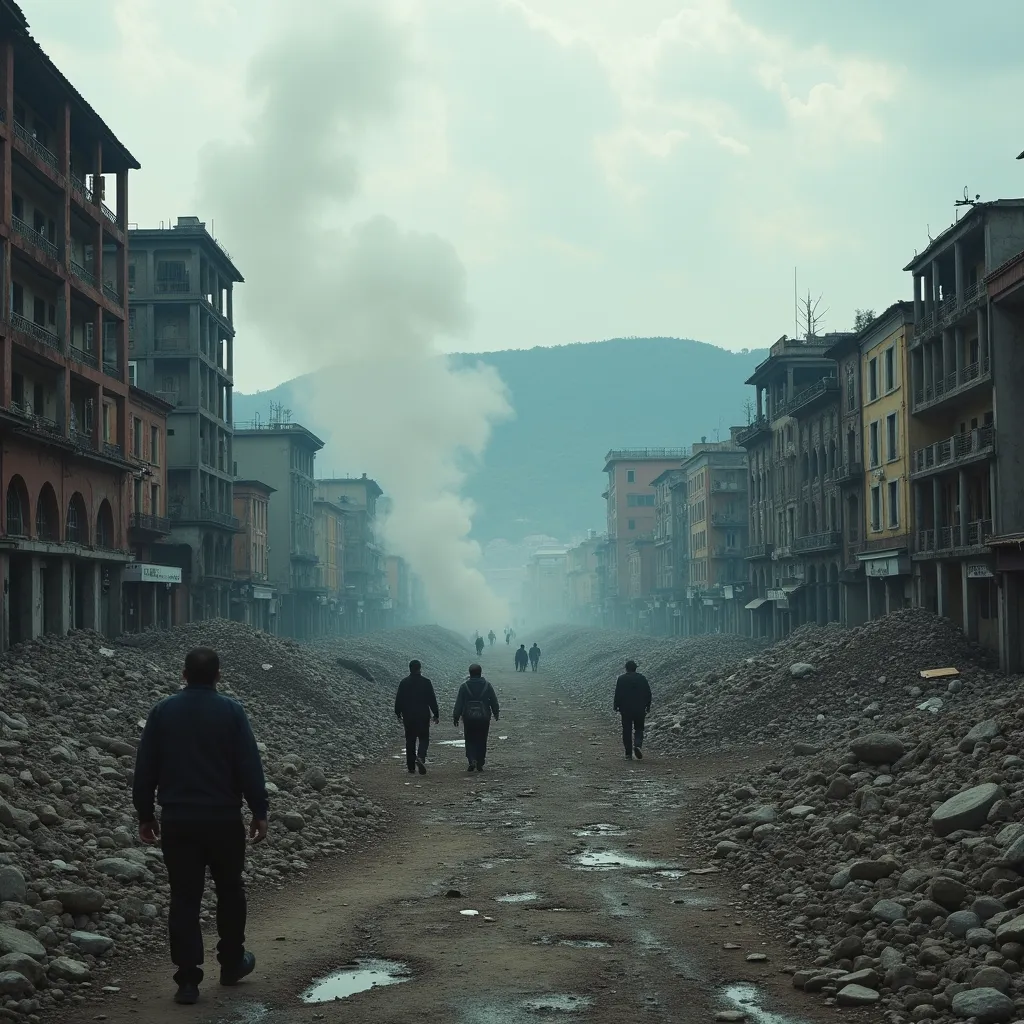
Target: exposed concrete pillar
{"x":88,"y":583}
{"x":32,"y":595}
{"x":936,"y":290}
{"x":958,"y":354}
{"x":962,"y":501}
{"x":984,"y":350}
{"x":918,"y":523}
{"x":5,"y":603}
{"x":760,"y":400}
{"x":867,"y":595}
{"x":113,"y":625}
{"x":937,"y":507}
{"x":941,"y":594}
{"x":993,"y":469}
{"x":970,"y":623}
{"x":958,"y":268}
{"x":917,"y":298}
{"x":926,"y":368}
{"x":948,"y":356}
{"x":57,"y":595}
{"x":154,"y":617}
{"x":1009,"y":614}
{"x":789,"y":383}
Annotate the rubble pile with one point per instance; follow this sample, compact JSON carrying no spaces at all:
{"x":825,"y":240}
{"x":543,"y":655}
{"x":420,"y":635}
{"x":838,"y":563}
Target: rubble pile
{"x":75,"y":884}
{"x":820,"y":681}
{"x":894,"y":858}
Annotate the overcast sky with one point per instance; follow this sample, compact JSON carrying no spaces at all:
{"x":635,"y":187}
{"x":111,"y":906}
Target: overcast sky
{"x":605,"y":167}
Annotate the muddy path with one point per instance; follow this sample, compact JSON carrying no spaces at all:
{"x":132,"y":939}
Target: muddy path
{"x":591,"y":904}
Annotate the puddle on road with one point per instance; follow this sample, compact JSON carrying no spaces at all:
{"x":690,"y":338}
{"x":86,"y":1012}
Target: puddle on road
{"x":573,"y":943}
{"x":357,"y":977}
{"x":517,"y":897}
{"x":558,"y":1004}
{"x":609,"y":860}
{"x":591,"y":831}
{"x":749,"y":999}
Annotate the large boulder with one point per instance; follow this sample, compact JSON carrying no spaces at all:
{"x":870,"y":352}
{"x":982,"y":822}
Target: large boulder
{"x":981,"y":733}
{"x":14,"y":940}
{"x":12,"y":885}
{"x":81,"y":900}
{"x":63,"y":968}
{"x":985,"y":1005}
{"x":90,"y":942}
{"x":967,"y":810}
{"x":878,"y":748}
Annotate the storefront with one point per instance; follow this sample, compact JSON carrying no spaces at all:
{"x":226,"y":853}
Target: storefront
{"x":888,"y":577}
{"x":147,"y":595}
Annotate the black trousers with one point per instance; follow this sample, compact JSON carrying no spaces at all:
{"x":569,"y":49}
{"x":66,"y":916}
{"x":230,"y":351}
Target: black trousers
{"x":189,"y":849}
{"x":417,"y":739}
{"x":476,"y":741}
{"x":632,"y":729}
{"x":533,"y":663}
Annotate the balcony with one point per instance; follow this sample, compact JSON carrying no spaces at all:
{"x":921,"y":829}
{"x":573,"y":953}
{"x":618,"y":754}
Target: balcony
{"x":142,"y":522}
{"x":827,"y":541}
{"x":204,"y":515}
{"x":42,"y":426}
{"x":948,"y":312}
{"x":82,"y":274}
{"x":803,"y":401}
{"x":175,"y":287}
{"x":848,"y":472}
{"x":36,"y":147}
{"x":112,"y":368}
{"x":950,"y":538}
{"x":80,"y":186}
{"x":109,"y":214}
{"x":958,"y":450}
{"x":112,"y":293}
{"x":36,"y":238}
{"x":726,"y":551}
{"x":82,"y":356}
{"x":893,"y":543}
{"x":37,"y":331}
{"x":728,"y":519}
{"x":959,"y":382}
{"x":749,"y":434}
{"x":113,"y":451}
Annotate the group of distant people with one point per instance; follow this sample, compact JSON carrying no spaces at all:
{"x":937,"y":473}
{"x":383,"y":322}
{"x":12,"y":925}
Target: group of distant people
{"x":526,"y":657}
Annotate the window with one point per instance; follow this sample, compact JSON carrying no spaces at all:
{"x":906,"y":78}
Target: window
{"x":873,"y":443}
{"x":876,"y":507}
{"x":154,"y":445}
{"x":890,"y":369}
{"x":131,"y":276}
{"x":106,"y":423}
{"x":137,"y":437}
{"x":891,"y":451}
{"x":640,"y":500}
{"x":133,"y":373}
{"x":137,"y":497}
{"x":17,"y":299}
{"x":17,"y":206}
{"x":630,"y":476}
{"x":894,"y":504}
{"x":872,"y":379}
{"x":154,"y":499}
{"x":51,"y":315}
{"x":39,"y":222}
{"x":632,"y":524}
{"x":39,"y":311}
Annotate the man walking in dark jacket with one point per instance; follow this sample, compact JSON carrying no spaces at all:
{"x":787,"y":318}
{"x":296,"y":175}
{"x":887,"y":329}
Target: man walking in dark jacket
{"x":522,"y":658}
{"x":199,"y":756}
{"x":415,"y":705}
{"x":475,"y":703}
{"x":534,"y":657}
{"x":633,"y":702}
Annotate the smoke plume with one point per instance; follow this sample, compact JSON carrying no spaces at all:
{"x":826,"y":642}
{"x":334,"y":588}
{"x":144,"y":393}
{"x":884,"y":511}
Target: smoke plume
{"x":363,"y":303}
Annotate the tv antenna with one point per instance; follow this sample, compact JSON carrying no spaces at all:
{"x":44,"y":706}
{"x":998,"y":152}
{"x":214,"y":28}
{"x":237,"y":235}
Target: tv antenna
{"x":967,"y":200}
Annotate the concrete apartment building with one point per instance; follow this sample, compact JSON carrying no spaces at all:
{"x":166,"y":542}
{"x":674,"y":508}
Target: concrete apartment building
{"x":716,"y":492}
{"x":367,"y":599}
{"x":545,"y":587}
{"x":671,"y":552}
{"x":254,"y":596}
{"x":181,"y":341}
{"x":583,"y":580}
{"x":629,"y":501}
{"x":329,"y":534}
{"x":964,"y":368}
{"x":793,"y":445}
{"x":64,"y":393}
{"x":282,"y":455}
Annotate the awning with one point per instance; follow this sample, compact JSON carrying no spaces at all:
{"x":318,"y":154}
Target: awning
{"x":756,"y":603}
{"x":792,"y":588}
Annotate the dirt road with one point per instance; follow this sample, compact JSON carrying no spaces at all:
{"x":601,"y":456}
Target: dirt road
{"x":551,"y":937}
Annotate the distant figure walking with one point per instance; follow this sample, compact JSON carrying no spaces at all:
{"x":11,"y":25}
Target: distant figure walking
{"x":491,"y":637}
{"x":522,"y":658}
{"x":633,"y":702}
{"x":479,"y":646}
{"x":415,"y":705}
{"x":534,"y":656}
{"x":199,"y":756}
{"x":508,"y":635}
{"x":475,"y":703}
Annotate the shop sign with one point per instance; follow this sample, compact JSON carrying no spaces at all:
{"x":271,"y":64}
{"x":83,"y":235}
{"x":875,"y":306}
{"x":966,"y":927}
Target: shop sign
{"x":727,"y":592}
{"x":141,"y":572}
{"x":262,"y":593}
{"x":777,"y":595}
{"x":979,"y":571}
{"x":880,"y":567}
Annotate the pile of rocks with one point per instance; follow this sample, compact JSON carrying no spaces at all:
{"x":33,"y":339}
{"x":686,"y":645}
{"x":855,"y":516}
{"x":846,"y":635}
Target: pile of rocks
{"x":75,"y":885}
{"x":894,"y":859}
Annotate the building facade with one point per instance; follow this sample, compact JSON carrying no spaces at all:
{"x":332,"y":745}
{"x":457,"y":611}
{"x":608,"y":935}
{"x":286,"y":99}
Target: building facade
{"x":64,"y":395}
{"x":582,"y":581}
{"x":329,"y":531}
{"x":181,"y":342}
{"x":253,"y":597}
{"x":283,"y":455}
{"x":545,"y":588}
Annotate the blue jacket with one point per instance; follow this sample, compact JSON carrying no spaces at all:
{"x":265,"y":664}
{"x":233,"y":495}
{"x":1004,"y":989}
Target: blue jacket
{"x":199,"y":756}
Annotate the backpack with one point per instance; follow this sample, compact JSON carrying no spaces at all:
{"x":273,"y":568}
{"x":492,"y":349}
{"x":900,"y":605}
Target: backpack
{"x":476,"y":710}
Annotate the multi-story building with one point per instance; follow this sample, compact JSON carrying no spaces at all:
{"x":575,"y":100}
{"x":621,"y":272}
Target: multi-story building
{"x":629,"y":500}
{"x":254,"y":596}
{"x":401,"y":586}
{"x":282,"y":455}
{"x":957,"y":460}
{"x":366,"y":589}
{"x":151,"y":590}
{"x":181,"y":342}
{"x":716,"y":490}
{"x":544,"y":590}
{"x":640,"y":565}
{"x":64,"y":394}
{"x":887,"y":440}
{"x":329,"y":531}
{"x":671,"y":552}
{"x":793,"y":446}
{"x":582,"y":577}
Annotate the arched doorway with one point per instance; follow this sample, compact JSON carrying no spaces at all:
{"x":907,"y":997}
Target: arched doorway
{"x":76,"y":530}
{"x":47,"y":515}
{"x":17,"y":508}
{"x":105,"y":527}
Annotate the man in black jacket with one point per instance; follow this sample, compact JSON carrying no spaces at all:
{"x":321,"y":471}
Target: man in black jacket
{"x":199,"y":756}
{"x":475,"y":703}
{"x":522,"y":658}
{"x":415,"y":705}
{"x":534,"y":657}
{"x":633,"y":702}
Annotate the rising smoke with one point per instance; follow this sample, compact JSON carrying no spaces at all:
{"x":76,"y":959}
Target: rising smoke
{"x":363,"y":304}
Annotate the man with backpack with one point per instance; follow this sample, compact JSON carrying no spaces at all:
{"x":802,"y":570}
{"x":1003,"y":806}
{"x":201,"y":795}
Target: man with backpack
{"x":633,"y":702}
{"x":475,"y":703}
{"x":415,"y":705}
{"x":534,"y":657}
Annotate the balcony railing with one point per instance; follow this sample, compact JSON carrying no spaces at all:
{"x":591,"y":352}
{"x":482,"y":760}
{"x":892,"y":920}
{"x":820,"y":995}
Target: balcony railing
{"x":30,"y":234}
{"x":112,"y":369}
{"x":112,"y":293}
{"x":824,"y":387}
{"x":109,"y":214}
{"x":959,"y":448}
{"x":950,"y":538}
{"x":727,"y":519}
{"x":37,"y":331}
{"x":726,"y":551}
{"x":85,"y":275}
{"x":150,"y":523}
{"x":48,"y":157}
{"x":818,"y":541}
{"x":948,"y":311}
{"x":89,"y":358}
{"x":847,"y":472}
{"x":952,"y":384}
{"x":173,"y":287}
{"x":80,"y":186}
{"x":748,"y":433}
{"x":204,"y":515}
{"x":115,"y":451}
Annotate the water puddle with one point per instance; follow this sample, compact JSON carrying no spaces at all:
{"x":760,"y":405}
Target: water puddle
{"x":609,"y":860}
{"x":573,"y":943}
{"x":360,"y":976}
{"x":749,"y":999}
{"x":558,"y":1004}
{"x":517,"y":897}
{"x":591,"y":831}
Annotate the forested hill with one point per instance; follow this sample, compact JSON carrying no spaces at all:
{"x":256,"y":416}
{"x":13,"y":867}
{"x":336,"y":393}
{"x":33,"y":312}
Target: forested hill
{"x":542,"y":471}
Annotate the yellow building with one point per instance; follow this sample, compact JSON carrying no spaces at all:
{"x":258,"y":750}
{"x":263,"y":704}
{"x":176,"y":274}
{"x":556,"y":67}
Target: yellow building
{"x":329,"y":535}
{"x":887,"y":445}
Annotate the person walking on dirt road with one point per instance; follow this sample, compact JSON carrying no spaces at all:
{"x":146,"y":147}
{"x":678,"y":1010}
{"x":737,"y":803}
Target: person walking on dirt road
{"x":415,"y":705}
{"x":479,"y":646}
{"x":522,"y":658}
{"x":534,"y":656}
{"x":475,"y":703}
{"x":199,"y":757}
{"x":491,"y":637}
{"x":633,"y":702}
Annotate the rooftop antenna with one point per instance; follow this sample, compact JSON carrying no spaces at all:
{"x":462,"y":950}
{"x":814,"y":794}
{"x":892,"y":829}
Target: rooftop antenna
{"x":967,"y":200}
